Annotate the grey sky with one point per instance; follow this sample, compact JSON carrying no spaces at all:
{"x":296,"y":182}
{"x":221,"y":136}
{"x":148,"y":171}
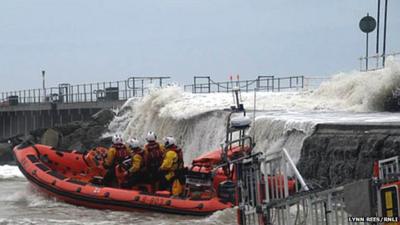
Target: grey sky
{"x":80,"y":41}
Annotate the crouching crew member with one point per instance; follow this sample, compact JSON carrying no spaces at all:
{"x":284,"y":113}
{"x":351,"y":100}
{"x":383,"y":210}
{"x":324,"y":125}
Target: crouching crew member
{"x":117,"y":153}
{"x":172,"y":167}
{"x":153,"y":158}
{"x":136,"y":172}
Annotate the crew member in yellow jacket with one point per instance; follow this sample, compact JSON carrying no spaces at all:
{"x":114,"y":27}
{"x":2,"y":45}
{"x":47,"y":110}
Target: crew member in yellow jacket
{"x":136,"y":165}
{"x":115,"y":156}
{"x":170,"y":167}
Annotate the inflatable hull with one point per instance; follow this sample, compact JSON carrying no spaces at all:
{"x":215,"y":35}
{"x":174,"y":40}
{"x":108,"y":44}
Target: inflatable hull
{"x":65,"y":175}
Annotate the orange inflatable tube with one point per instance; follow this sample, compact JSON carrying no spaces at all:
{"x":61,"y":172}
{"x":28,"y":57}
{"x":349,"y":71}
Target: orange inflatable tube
{"x":66,"y":175}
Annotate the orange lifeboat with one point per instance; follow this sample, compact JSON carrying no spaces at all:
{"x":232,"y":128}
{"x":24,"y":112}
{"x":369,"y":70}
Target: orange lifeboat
{"x":69,"y":175}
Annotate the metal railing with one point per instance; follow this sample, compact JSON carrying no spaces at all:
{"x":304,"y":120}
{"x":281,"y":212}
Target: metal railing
{"x":311,"y":83}
{"x":92,"y":92}
{"x":204,"y":84}
{"x":319,"y":208}
{"x":389,"y":168}
{"x":271,"y":191}
{"x":266,"y":179}
{"x":374,"y":62}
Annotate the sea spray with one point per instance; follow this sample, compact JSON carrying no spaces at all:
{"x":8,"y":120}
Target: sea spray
{"x":198,"y":121}
{"x":10,"y":172}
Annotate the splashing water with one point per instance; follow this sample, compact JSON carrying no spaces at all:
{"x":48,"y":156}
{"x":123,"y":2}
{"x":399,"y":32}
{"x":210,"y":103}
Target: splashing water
{"x":198,"y":121}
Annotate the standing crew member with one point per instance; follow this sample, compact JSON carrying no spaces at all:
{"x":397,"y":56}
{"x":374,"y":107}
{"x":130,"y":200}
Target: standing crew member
{"x":137,"y":169}
{"x":154,"y":156}
{"x":117,"y":153}
{"x":172,"y":167}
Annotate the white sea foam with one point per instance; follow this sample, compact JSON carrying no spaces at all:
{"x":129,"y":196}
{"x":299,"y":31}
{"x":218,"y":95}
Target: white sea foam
{"x":198,"y":121}
{"x":7,"y":172}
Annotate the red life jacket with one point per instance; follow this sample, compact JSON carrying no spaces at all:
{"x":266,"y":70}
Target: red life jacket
{"x":154,"y":156}
{"x":121,"y":153}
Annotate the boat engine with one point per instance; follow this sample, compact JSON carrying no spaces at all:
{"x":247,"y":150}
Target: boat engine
{"x":227,"y":191}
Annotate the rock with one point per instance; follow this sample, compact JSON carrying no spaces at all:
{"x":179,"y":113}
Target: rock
{"x":69,"y":127}
{"x":38,"y":133}
{"x":51,"y":137}
{"x":78,"y":135}
{"x":6,"y":155}
{"x":70,"y":140}
{"x":104,"y":142}
{"x":92,"y":135}
{"x":103,"y":117}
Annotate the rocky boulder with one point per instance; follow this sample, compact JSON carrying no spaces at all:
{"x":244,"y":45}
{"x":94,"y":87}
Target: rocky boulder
{"x":6,"y":156}
{"x":88,"y":134}
{"x":78,"y":135}
{"x":51,"y":137}
{"x":103,"y":117}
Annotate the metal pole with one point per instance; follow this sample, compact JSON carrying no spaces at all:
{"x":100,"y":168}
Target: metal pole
{"x":296,"y":172}
{"x":366,"y":54}
{"x":44,"y":85}
{"x":377,"y":27}
{"x":384,"y":35}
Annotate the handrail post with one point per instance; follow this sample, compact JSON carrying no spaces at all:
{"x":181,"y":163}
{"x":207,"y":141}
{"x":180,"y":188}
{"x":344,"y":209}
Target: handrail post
{"x":279,"y":84}
{"x":295,"y":170}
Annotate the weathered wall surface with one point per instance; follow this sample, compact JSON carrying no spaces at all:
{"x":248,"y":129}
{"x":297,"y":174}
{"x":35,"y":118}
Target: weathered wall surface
{"x":338,"y":153}
{"x":22,"y":122}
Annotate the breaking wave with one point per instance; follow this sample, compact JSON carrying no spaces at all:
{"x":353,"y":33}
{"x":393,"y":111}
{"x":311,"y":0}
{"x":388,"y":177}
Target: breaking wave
{"x":198,"y":121}
{"x":10,"y":172}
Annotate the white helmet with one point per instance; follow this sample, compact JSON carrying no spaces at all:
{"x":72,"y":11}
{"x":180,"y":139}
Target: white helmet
{"x":133,"y":143}
{"x":168,"y":141}
{"x":151,"y":136}
{"x":117,"y":139}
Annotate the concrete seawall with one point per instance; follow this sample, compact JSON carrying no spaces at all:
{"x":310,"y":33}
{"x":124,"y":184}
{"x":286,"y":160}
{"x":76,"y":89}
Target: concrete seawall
{"x":338,"y":153}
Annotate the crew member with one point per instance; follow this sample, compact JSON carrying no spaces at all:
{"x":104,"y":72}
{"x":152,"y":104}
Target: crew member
{"x":153,"y":158}
{"x":137,"y":169}
{"x":117,"y":153}
{"x":172,"y":167}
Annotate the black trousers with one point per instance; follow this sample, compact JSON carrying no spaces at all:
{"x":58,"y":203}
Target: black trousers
{"x":110,"y":177}
{"x":133,"y":179}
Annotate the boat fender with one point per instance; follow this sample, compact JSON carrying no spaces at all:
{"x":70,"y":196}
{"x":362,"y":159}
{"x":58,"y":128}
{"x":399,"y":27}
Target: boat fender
{"x":240,"y":122}
{"x":136,"y":198}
